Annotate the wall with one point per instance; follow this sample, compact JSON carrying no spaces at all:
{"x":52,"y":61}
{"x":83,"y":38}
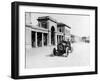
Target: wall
{"x":28,"y":37}
{"x":5,"y":40}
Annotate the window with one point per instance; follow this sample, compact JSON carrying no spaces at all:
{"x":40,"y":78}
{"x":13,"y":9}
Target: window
{"x":45,"y":39}
{"x":59,"y":38}
{"x":44,"y":24}
{"x":59,"y":29}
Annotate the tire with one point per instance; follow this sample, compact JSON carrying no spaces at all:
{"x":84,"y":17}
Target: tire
{"x":54,"y":51}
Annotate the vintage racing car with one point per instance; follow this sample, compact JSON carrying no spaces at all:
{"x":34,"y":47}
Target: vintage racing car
{"x":63,"y":49}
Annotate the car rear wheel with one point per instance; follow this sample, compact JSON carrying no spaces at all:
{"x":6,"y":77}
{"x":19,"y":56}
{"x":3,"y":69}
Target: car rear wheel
{"x":54,"y":51}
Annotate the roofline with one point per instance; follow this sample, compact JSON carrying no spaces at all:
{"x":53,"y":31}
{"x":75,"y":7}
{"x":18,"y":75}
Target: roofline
{"x":50,"y":18}
{"x":67,"y":26}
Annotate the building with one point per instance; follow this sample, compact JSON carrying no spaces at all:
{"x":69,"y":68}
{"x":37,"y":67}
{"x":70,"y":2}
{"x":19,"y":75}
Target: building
{"x":48,"y":32}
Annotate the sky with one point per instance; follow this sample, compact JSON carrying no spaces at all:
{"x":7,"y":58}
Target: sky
{"x":79,"y":23}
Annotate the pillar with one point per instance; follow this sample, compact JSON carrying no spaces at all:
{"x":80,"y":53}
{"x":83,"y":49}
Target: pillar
{"x":58,"y":38}
{"x":49,"y":38}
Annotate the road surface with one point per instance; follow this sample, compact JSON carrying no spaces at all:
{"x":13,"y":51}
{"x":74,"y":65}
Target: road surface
{"x":40,"y":57}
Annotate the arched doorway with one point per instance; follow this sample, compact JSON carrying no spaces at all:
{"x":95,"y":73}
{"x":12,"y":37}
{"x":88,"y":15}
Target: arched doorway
{"x":52,"y":35}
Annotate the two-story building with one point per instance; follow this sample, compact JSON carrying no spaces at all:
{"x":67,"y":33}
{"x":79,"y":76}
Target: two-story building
{"x":48,"y":32}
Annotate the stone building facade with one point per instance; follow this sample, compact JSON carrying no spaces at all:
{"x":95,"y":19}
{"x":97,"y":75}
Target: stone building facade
{"x":48,"y":32}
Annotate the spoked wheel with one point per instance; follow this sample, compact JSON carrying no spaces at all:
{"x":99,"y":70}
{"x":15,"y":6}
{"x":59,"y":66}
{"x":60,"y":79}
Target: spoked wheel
{"x":54,"y":51}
